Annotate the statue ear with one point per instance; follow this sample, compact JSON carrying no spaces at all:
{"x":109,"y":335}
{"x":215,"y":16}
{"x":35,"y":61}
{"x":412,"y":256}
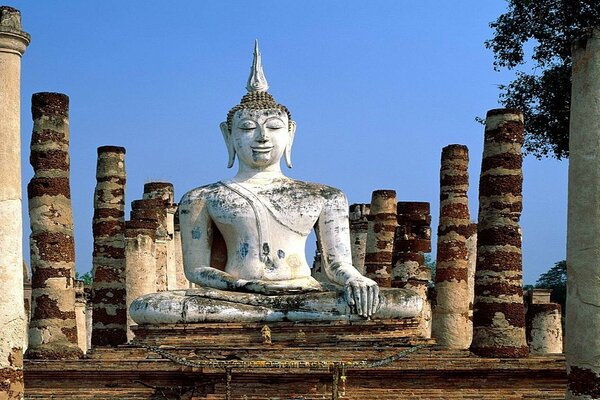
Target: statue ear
{"x":287,"y":154}
{"x":229,"y":143}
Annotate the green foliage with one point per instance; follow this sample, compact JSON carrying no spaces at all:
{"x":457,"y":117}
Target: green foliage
{"x":555,"y":279}
{"x":544,"y":95}
{"x":86,"y":278}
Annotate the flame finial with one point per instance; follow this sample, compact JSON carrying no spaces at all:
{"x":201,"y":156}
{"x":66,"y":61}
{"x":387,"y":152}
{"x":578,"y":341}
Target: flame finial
{"x":257,"y":81}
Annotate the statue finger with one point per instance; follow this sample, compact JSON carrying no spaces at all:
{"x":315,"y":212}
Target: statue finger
{"x":357,"y":299}
{"x":364,"y":300}
{"x":370,"y":301}
{"x":376,"y":302}
{"x":348,"y":294}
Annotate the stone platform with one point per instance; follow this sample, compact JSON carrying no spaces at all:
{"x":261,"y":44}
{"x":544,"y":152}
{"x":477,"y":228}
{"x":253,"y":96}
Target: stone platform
{"x":236,"y":364}
{"x":289,"y":334}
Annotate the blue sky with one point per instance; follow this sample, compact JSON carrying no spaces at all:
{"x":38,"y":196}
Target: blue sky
{"x":376,"y":88}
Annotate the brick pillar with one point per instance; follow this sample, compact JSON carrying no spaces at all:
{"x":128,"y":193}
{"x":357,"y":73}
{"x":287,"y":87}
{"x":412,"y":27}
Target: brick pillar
{"x":412,"y":240}
{"x":380,"y":237}
{"x":27,"y":303}
{"x":582,"y":346}
{"x":13,"y":42}
{"x":544,"y":328}
{"x":359,"y":226}
{"x":80,"y":306}
{"x":472,"y":263}
{"x":166,"y":192}
{"x":451,"y":322}
{"x":108,"y":290}
{"x":317,"y":271}
{"x":182,"y":280}
{"x":89,"y":310}
{"x":140,"y":262}
{"x":53,"y":328}
{"x":153,"y":210}
{"x":499,"y":314}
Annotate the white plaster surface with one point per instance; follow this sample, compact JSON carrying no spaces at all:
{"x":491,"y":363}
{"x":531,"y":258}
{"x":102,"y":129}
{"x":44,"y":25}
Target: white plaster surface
{"x":12,"y":312}
{"x":212,"y":305}
{"x":546,"y":333}
{"x":140,"y":271}
{"x":582,"y":345}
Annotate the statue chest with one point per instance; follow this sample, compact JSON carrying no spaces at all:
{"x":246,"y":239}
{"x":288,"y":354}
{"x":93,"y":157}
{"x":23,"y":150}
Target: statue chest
{"x":276,"y":215}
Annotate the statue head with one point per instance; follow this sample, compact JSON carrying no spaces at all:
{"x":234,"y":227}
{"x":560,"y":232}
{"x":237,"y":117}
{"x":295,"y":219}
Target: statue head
{"x":258,"y":130}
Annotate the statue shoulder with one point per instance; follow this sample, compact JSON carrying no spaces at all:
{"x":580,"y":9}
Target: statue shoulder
{"x":200,"y":194}
{"x":319,"y":190}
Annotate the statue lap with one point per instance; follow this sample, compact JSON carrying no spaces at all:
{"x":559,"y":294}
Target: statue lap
{"x":213,"y":305}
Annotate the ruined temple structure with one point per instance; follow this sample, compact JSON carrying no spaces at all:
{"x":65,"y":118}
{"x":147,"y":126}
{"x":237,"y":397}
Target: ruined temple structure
{"x":452,"y":322}
{"x":53,"y":326}
{"x":499,"y":313}
{"x":13,"y":42}
{"x":543,"y":323}
{"x":582,"y":347}
{"x":108,"y":292}
{"x":513,"y":355}
{"x":380,"y":237}
{"x":359,"y":228}
{"x":411,"y":241}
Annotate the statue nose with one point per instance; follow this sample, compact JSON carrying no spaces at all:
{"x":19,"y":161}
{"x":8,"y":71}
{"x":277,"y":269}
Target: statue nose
{"x":261,"y":135}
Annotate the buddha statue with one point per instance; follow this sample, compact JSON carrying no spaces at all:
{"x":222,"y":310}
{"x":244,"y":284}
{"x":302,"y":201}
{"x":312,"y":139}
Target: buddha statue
{"x":244,"y":238}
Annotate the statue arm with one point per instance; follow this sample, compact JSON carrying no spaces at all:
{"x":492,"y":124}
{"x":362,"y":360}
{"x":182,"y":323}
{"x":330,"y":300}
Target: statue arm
{"x":334,"y":237}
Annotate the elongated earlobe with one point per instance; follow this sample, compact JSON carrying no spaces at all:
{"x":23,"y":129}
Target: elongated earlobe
{"x":228,"y":143}
{"x":287,"y":154}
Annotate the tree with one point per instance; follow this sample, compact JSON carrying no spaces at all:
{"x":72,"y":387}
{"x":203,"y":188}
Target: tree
{"x":555,"y":279}
{"x":86,"y":278}
{"x":544,"y":94}
{"x":430,"y":262}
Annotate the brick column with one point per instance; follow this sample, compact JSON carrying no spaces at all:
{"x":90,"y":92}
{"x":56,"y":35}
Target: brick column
{"x":451,"y":324}
{"x":108,"y":290}
{"x":153,"y":210}
{"x":140,"y":263}
{"x":53,"y":328}
{"x":582,"y":346}
{"x":165,"y":192}
{"x":80,"y":309}
{"x":380,"y":237}
{"x":182,"y":281}
{"x":359,"y":226}
{"x":499,"y":314}
{"x":413,"y":239}
{"x":472,"y":264}
{"x":544,"y":328}
{"x":13,"y":42}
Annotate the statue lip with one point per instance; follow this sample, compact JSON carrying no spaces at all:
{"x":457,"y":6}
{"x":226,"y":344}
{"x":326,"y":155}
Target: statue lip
{"x":262,"y":149}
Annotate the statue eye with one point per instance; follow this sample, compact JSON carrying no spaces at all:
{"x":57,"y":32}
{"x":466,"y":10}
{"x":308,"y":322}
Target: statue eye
{"x":275,"y":124}
{"x":247,"y":125}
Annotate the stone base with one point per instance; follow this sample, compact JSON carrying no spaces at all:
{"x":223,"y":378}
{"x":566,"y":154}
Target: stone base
{"x":288,"y":334}
{"x":429,"y":373}
{"x":343,"y":360}
{"x":54,"y":351}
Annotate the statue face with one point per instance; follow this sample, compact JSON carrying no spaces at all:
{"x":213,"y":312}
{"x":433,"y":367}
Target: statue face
{"x":260,"y":137}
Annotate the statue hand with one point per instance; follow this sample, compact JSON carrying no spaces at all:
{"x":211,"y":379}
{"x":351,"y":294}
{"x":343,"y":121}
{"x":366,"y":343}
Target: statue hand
{"x":279,"y":287}
{"x":362,"y":295}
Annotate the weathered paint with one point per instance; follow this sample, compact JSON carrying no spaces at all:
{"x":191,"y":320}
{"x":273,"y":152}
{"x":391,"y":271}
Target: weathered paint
{"x":499,"y":314}
{"x":582,"y":345}
{"x":380,"y":237}
{"x":452,"y":325}
{"x":53,"y":326}
{"x":411,"y":240}
{"x":108,"y":290}
{"x":13,"y":42}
